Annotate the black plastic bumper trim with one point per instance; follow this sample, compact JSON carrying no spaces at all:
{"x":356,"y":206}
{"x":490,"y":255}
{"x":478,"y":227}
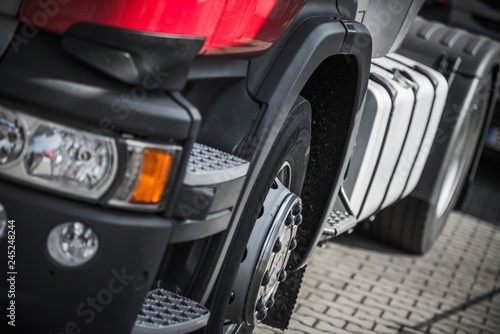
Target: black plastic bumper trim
{"x":214,"y":223}
{"x":130,"y":55}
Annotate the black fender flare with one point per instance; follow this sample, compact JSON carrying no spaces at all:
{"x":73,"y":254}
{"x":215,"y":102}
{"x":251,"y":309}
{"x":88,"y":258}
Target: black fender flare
{"x":314,"y":41}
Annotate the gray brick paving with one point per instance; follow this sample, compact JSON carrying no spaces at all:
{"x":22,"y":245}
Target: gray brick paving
{"x":354,"y":285}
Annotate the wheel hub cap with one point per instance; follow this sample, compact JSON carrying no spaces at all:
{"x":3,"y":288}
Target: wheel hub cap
{"x":268,"y":250}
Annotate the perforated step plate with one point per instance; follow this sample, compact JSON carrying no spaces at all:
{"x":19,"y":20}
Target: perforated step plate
{"x":208,"y":165}
{"x":166,"y":312}
{"x":339,"y":222}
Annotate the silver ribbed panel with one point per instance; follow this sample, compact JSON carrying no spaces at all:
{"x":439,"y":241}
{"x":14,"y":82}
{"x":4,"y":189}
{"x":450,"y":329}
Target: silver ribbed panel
{"x":339,"y":222}
{"x":166,"y":312}
{"x":208,"y":166}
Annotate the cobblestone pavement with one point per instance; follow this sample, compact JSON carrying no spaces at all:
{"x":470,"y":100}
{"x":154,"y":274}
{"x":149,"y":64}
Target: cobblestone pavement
{"x":354,"y":285}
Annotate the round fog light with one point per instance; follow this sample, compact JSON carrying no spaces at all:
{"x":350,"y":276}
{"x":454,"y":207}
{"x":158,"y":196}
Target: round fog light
{"x":3,"y":220}
{"x":72,"y":244}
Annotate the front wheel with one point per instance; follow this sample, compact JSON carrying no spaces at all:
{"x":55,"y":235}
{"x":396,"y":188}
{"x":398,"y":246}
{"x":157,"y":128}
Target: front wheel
{"x":274,"y":210}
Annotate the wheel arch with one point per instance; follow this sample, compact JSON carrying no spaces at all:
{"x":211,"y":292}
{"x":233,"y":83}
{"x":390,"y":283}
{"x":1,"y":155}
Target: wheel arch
{"x":330,"y":68}
{"x":335,"y":108}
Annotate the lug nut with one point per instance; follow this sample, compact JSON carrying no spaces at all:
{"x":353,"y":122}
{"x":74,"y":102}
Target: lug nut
{"x":270,"y":302}
{"x":282,"y":276}
{"x":261,"y":315}
{"x":298,"y":219}
{"x":277,"y":246}
{"x":266,"y":279}
{"x":288,"y":220}
{"x":231,"y":297}
{"x":293,"y":244}
{"x":297,"y":209}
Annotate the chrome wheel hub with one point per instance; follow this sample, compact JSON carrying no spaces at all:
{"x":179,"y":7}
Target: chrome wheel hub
{"x":268,"y":250}
{"x":275,"y":256}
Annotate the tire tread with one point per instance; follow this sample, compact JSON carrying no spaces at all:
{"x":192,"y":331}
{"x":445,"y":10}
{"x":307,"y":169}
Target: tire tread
{"x":402,"y":225}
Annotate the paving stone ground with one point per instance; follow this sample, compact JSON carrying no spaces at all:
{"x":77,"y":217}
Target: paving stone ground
{"x":355,"y":285}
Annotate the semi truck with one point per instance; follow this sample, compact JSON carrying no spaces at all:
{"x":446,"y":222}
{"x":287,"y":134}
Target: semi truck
{"x":170,"y":166}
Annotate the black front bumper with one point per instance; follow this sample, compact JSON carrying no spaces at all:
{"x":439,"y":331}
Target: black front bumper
{"x":101,"y":296}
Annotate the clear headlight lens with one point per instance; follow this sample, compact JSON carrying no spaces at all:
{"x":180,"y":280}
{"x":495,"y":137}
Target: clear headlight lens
{"x":83,"y":164}
{"x":55,"y":156}
{"x":69,"y":159}
{"x":12,"y":137}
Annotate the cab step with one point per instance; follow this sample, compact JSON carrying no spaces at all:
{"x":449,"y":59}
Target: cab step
{"x":341,"y":218}
{"x":166,"y":312}
{"x":339,"y":222}
{"x":208,"y":165}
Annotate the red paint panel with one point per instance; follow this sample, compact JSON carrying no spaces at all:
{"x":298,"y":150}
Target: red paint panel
{"x":228,"y":25}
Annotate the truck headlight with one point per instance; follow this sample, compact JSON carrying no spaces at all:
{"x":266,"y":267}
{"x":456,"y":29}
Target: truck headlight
{"x":12,"y":137}
{"x":83,"y":164}
{"x":70,"y":160}
{"x":55,"y":156}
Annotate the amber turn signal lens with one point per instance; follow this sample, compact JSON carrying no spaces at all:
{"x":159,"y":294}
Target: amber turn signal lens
{"x":154,"y":174}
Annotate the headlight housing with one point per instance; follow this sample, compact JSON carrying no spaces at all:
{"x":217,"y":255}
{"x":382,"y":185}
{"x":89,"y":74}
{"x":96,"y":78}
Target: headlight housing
{"x":82,"y":164}
{"x":12,"y":137}
{"x":55,"y":156}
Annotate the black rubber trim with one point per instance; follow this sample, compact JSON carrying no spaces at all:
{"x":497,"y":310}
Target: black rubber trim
{"x":196,"y":203}
{"x":350,"y":36}
{"x":216,"y":68}
{"x":189,"y":230}
{"x":130,"y":56}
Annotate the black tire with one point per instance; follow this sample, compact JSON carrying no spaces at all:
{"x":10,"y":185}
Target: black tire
{"x":413,"y":223}
{"x":291,"y":146}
